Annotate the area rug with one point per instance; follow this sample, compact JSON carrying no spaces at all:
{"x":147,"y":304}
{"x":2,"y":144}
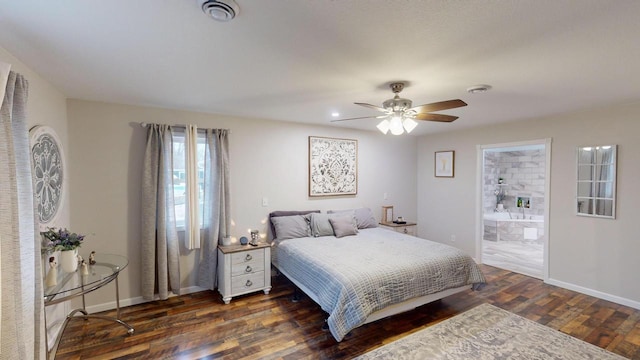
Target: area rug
{"x":488,"y":332}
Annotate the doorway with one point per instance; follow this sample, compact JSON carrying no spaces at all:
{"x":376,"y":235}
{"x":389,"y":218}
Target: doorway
{"x":513,"y":206}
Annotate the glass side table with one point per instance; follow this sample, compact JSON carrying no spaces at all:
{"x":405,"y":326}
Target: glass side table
{"x":71,"y":285}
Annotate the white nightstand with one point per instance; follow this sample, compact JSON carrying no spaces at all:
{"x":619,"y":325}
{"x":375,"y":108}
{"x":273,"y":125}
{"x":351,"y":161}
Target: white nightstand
{"x":408,"y":228}
{"x":243,"y":269}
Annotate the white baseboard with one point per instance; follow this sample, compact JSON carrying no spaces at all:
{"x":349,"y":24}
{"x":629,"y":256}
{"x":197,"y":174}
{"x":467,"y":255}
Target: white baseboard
{"x":595,"y":293}
{"x":136,"y":300}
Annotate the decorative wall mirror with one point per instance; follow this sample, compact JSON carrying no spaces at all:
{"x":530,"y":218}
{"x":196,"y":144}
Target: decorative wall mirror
{"x":596,"y":190}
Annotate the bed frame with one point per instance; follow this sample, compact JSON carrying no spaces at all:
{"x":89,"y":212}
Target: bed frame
{"x":391,"y":309}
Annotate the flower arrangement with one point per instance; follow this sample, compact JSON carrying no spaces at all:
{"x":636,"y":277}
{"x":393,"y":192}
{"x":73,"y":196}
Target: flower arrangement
{"x":61,"y":239}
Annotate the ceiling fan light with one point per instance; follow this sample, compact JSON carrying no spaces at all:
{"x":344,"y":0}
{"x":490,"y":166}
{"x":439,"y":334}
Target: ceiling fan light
{"x":383,"y":126}
{"x":409,"y":124}
{"x":395,"y":125}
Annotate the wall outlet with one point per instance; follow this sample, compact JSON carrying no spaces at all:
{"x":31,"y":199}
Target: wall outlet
{"x":453,"y":238}
{"x":265,"y":201}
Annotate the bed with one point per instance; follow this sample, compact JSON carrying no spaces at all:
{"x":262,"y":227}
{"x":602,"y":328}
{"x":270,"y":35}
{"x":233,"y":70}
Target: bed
{"x":358,"y":272}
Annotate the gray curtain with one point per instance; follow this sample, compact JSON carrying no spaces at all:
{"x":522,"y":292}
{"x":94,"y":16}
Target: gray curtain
{"x":22,"y":327}
{"x":160,"y":248}
{"x":216,"y":215}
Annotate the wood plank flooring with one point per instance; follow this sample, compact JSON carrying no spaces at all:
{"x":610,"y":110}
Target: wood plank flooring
{"x":258,"y":326}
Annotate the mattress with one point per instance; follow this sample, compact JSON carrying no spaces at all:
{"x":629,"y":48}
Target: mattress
{"x":355,"y":276}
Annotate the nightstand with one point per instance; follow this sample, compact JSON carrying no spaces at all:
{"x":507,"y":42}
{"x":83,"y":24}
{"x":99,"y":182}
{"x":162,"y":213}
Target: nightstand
{"x":243,"y":269}
{"x":409,"y":228}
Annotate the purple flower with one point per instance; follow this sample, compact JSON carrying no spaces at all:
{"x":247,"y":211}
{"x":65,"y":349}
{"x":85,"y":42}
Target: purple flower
{"x":62,"y":239}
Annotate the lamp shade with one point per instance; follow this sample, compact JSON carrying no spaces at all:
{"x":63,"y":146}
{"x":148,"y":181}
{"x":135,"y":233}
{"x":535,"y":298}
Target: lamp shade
{"x":395,"y":125}
{"x":409,"y":124}
{"x":383,"y":126}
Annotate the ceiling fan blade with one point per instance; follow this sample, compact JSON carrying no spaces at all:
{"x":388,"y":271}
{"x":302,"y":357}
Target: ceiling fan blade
{"x":437,"y":106}
{"x":372,"y":107}
{"x":362,"y":117}
{"x":435,"y":117}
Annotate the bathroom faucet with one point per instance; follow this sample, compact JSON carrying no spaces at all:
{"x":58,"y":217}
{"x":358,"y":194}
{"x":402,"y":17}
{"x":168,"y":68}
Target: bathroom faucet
{"x":509,"y":211}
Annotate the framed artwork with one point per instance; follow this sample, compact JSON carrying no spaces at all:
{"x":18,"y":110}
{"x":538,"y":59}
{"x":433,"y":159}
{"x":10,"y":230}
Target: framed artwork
{"x":444,"y":163}
{"x":333,"y":166}
{"x":387,"y":214}
{"x":47,"y":159}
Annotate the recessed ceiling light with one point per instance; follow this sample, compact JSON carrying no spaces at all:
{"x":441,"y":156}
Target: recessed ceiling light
{"x":335,"y":114}
{"x":476,"y":89}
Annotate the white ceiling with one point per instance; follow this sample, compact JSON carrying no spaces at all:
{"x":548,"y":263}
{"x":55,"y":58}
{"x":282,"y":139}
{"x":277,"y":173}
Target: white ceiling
{"x":301,"y":60}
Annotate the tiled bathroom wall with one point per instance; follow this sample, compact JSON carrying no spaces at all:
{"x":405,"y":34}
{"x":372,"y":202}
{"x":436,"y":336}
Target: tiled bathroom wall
{"x":523,"y":173}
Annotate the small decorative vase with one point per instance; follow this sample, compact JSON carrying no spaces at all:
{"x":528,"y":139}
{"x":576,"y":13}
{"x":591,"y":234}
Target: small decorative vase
{"x":69,"y":260}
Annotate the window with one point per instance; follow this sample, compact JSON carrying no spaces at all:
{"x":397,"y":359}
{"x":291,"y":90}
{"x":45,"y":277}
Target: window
{"x":180,"y":176}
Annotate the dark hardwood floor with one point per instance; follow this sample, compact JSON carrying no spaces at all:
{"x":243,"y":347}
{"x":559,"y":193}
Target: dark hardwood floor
{"x":258,"y":326}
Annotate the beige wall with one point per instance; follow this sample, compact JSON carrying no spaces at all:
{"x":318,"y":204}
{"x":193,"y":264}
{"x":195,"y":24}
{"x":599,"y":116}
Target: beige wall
{"x":268,"y":159}
{"x":598,"y":256}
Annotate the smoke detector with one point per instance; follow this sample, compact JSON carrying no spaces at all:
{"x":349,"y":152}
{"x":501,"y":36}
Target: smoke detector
{"x":221,"y":10}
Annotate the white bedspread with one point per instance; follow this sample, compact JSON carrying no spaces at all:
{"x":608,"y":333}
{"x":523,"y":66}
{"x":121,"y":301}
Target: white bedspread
{"x":354,"y":276}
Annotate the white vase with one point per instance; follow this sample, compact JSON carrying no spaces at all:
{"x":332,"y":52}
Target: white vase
{"x":69,"y":260}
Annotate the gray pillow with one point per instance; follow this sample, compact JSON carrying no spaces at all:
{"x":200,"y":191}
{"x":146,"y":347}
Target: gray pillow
{"x":364,"y":217}
{"x":290,"y":227}
{"x":343,"y":226}
{"x":279,"y":213}
{"x":320,"y":225}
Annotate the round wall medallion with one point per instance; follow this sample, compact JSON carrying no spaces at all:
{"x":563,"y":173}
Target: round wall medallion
{"x":47,"y":159}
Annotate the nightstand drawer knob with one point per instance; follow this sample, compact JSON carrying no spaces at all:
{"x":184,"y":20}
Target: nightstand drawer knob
{"x":248,"y":257}
{"x":405,"y":230}
{"x":248,"y":284}
{"x":248,"y":269}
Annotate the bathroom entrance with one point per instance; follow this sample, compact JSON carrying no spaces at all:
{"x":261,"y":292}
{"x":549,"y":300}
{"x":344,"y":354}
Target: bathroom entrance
{"x":512,"y":227}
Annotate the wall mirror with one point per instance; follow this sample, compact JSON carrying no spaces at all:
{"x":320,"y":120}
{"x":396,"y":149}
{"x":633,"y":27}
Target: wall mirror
{"x":596,"y":190}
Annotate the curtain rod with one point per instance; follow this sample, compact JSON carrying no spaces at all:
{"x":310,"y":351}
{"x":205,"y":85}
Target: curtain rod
{"x":144,"y":125}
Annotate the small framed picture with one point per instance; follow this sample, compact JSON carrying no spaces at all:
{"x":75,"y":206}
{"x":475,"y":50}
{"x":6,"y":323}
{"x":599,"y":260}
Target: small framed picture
{"x":387,"y":214}
{"x":444,"y":163}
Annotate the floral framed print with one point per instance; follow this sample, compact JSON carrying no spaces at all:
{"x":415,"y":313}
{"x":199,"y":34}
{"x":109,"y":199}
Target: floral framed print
{"x":47,"y":159}
{"x":444,"y":163}
{"x":333,"y":166}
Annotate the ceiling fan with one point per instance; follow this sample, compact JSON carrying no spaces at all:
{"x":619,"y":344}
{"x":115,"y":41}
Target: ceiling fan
{"x":399,"y":116}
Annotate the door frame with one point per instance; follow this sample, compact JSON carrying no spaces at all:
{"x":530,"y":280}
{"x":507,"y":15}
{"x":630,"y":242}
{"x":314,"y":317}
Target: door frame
{"x":547,"y":196}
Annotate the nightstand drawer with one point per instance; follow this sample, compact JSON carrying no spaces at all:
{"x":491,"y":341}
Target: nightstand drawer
{"x":248,"y":282}
{"x":249,"y":256}
{"x":249,"y":267}
{"x":409,"y":230}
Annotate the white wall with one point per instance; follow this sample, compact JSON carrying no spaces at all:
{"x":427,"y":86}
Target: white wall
{"x":598,"y":256}
{"x":268,"y":159}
